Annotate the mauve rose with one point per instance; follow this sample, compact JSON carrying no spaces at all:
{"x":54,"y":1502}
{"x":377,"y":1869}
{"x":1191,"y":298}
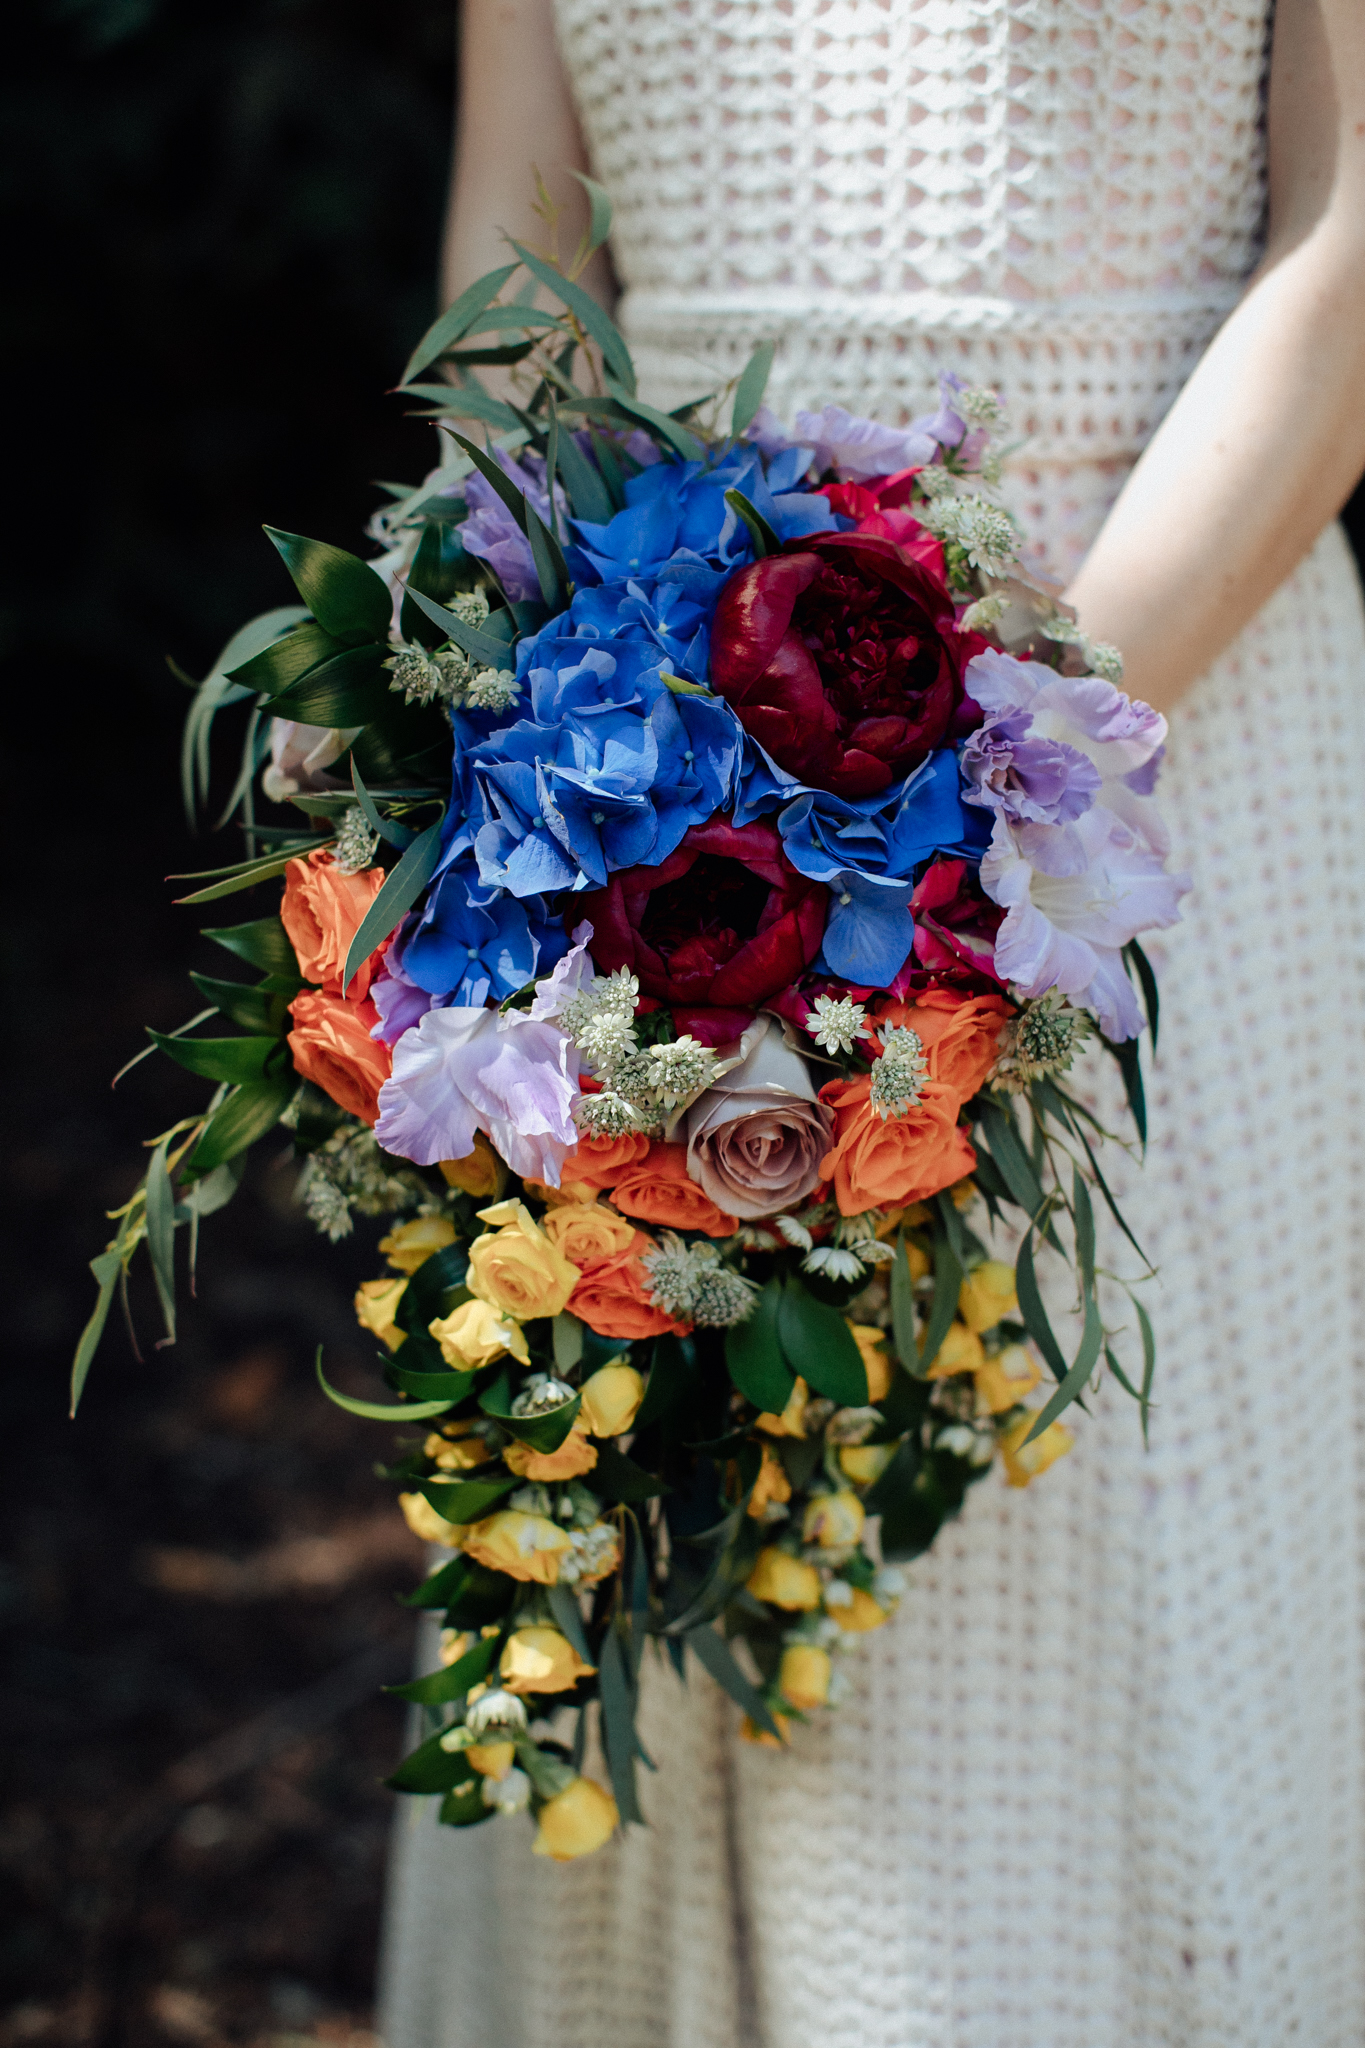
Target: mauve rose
{"x":724,"y":922}
{"x":755,"y":1140}
{"x":840,"y":655}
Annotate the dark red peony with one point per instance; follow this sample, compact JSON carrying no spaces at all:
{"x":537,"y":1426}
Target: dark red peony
{"x":841,"y":657}
{"x":884,"y":505}
{"x":724,"y":923}
{"x":955,"y":928}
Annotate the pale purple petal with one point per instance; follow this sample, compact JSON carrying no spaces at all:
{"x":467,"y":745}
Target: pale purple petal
{"x":458,"y":1073}
{"x":858,"y":447}
{"x":565,"y":981}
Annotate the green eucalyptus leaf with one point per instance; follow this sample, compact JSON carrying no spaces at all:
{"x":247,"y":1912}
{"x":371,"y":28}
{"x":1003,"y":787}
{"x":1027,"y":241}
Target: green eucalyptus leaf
{"x":1032,"y":1310}
{"x":752,"y":384}
{"x":1125,"y":1053}
{"x":106,"y":1269}
{"x":478,"y":645}
{"x":161,"y":1233}
{"x":1147,"y":982}
{"x":548,"y":557}
{"x":942,"y":1309}
{"x":715,"y":1655}
{"x":599,"y":220}
{"x":394,"y":900}
{"x":617,"y":1696}
{"x":618,"y":1478}
{"x":1084,"y":1215}
{"x":664,"y":425}
{"x":595,"y":323}
{"x":456,"y":321}
{"x":1079,"y":1372}
{"x":903,"y":1308}
{"x":466,"y":402}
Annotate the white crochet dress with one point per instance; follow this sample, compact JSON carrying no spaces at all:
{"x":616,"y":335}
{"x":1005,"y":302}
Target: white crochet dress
{"x":1100,"y":1782}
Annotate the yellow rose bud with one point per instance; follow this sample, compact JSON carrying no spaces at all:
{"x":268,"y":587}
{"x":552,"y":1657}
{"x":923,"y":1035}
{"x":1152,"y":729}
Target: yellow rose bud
{"x":858,"y":1614}
{"x":458,"y":1452}
{"x":986,"y":1295}
{"x":516,"y":1268}
{"x":1005,"y":1379}
{"x":576,"y":1821}
{"x":479,"y":1173}
{"x":960,"y":1351}
{"x":871,"y":1343}
{"x":785,"y":1580}
{"x":492,"y":1759}
{"x":791,"y":1422}
{"x":1024,"y":1462}
{"x":611,"y":1399}
{"x":865,"y":1463}
{"x":376,"y":1305}
{"x":412,"y":1244}
{"x":524,"y":1546}
{"x":772,"y":1483}
{"x":586,"y":1232}
{"x":475,"y":1334}
{"x":751,"y":1732}
{"x":803,"y":1676}
{"x":454,"y":1643}
{"x":833,"y":1520}
{"x":541,"y":1660}
{"x":574,"y":1456}
{"x":423,"y":1520}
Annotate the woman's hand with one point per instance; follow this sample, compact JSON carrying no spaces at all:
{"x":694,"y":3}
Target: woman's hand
{"x":1266,"y":441}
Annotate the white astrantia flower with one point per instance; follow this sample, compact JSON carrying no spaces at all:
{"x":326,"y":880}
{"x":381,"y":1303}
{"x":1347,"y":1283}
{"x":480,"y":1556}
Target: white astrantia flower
{"x":691,"y":1282}
{"x":958,"y":1439}
{"x":985,"y":613}
{"x":496,"y":1709}
{"x":356,"y":842}
{"x":981,"y":407}
{"x":839,"y":1593}
{"x":889,"y":1585}
{"x":898,"y":1076}
{"x":540,"y":1394}
{"x":492,"y":689}
{"x":678,"y":1070}
{"x":834,"y":1024}
{"x":509,"y":1794}
{"x":795,"y":1233}
{"x":594,"y":1551}
{"x":834,"y":1262}
{"x":935,"y":482}
{"x":1105,"y":660}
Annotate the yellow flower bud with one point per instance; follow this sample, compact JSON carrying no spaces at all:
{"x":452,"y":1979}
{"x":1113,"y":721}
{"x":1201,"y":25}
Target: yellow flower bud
{"x":1005,"y":1379}
{"x":986,"y":1294}
{"x":412,"y":1244}
{"x":480,"y":1172}
{"x":524,"y":1546}
{"x":751,"y":1732}
{"x":492,"y":1759}
{"x":454,"y":1643}
{"x":611,"y":1399}
{"x":376,"y":1305}
{"x":960,"y":1351}
{"x":576,"y":1821}
{"x":803,"y":1676}
{"x":772,"y":1483}
{"x":833,"y":1520}
{"x":515,"y":1268}
{"x":865,"y":1463}
{"x":475,"y":1334}
{"x":1024,"y":1462}
{"x":858,"y":1614}
{"x":541,"y":1660}
{"x":423,"y":1520}
{"x":574,"y":1456}
{"x":458,"y":1451}
{"x":784,"y":1580}
{"x":871,"y":1345}
{"x":791,"y":1422}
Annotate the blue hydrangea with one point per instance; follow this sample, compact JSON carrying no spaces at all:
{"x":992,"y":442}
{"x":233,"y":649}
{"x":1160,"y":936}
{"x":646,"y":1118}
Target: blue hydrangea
{"x":470,"y":944}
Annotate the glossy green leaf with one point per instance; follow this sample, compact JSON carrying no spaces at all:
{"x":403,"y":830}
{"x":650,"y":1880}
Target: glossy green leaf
{"x":449,"y":1388}
{"x":1083,"y":1215}
{"x":541,"y":1432}
{"x":253,"y":1009}
{"x":761,"y":534}
{"x":467,"y":1500}
{"x":1078,"y":1373}
{"x":453,"y":1681}
{"x":753,"y":1355}
{"x":1013,"y":1161}
{"x":456,"y":321}
{"x":490,"y":354}
{"x":903,"y":1308}
{"x":595,"y":323}
{"x":563,"y":1605}
{"x":216,"y":691}
{"x":896,"y":1482}
{"x":715,"y":1655}
{"x":250,"y":873}
{"x":433,"y":1769}
{"x":379,"y":1411}
{"x":1130,"y":1066}
{"x":1147,"y":981}
{"x":161,"y":1233}
{"x":751,"y":386}
{"x":106,"y":1269}
{"x":344,"y":594}
{"x":263,"y":942}
{"x":248,"y":1113}
{"x":548,"y":557}
{"x":1148,"y":1360}
{"x":394,"y":900}
{"x":587,"y":489}
{"x":818,"y":1344}
{"x":283,"y":661}
{"x":349,"y":690}
{"x":218,"y":1059}
{"x":496,"y":477}
{"x":617,"y":1477}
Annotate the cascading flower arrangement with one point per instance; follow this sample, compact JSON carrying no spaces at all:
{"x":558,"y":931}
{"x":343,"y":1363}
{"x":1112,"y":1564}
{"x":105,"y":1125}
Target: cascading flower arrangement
{"x":716,"y":850}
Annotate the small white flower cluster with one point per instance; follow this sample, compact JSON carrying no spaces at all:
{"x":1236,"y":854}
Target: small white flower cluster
{"x":541,"y":1394}
{"x":1100,"y":656}
{"x":1043,"y":1039}
{"x":979,"y":406}
{"x":935,"y":482}
{"x":898,"y":1076}
{"x":835,"y":1024}
{"x":350,"y":1172}
{"x":594,"y":1550}
{"x":986,"y":532}
{"x":640,"y":1084}
{"x":448,"y":676}
{"x":984,"y":613}
{"x":356,"y":842}
{"x":691,"y":1281}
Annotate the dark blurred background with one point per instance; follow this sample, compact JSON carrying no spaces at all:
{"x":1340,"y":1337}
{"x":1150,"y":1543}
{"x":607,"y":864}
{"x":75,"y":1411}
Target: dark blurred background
{"x":222,"y":221}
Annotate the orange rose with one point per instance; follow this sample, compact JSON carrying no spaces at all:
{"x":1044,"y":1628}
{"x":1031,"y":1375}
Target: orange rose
{"x":876,"y":1164}
{"x":960,"y":1034}
{"x":597,"y":1163}
{"x":587,"y":1234}
{"x":322,"y":911}
{"x":661,"y":1190}
{"x":613,"y":1298}
{"x":332,"y":1046}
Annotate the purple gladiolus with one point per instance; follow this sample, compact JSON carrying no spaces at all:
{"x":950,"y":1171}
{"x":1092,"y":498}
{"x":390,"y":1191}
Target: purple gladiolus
{"x":466,"y":1070}
{"x":1027,"y":777}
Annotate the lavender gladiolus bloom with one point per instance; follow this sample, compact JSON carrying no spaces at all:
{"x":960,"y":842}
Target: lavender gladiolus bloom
{"x":1027,"y":777}
{"x":466,"y":1070}
{"x":855,"y":448}
{"x":491,"y":533}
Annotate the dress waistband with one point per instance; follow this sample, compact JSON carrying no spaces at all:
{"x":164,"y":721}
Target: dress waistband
{"x":1085,"y":380}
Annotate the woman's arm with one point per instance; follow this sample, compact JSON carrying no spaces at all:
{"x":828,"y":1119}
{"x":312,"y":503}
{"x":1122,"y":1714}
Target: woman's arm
{"x":1266,"y":441}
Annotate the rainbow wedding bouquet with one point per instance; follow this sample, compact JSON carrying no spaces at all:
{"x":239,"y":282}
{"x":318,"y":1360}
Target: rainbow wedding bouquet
{"x":712,"y":851}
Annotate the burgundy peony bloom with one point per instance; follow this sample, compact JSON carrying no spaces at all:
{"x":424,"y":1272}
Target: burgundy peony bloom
{"x":955,"y":928}
{"x":884,"y":505}
{"x":723,"y":923}
{"x":840,"y":656}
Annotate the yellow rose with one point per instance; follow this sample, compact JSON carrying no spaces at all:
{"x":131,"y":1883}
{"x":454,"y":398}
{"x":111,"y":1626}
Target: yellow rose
{"x":479,"y":1173}
{"x":423,"y":1520}
{"x":772,"y":1483}
{"x":412,"y":1244}
{"x":803,"y":1676}
{"x":541,"y":1660}
{"x":784,"y":1580}
{"x":865,"y":1463}
{"x":611,"y":1399}
{"x":833,"y":1520}
{"x":575,"y":1455}
{"x":751,"y":1732}
{"x":586,"y":1232}
{"x":1024,"y":1462}
{"x":858,"y":1614}
{"x":791,"y":1422}
{"x":515,"y":1267}
{"x":376,"y":1305}
{"x":960,"y":1351}
{"x":459,"y":1451}
{"x":454,"y":1643}
{"x":523,"y":1546}
{"x":986,"y":1295}
{"x":492,"y":1759}
{"x":871,"y":1343}
{"x":475,"y":1334}
{"x":576,"y":1821}
{"x":1005,"y":1379}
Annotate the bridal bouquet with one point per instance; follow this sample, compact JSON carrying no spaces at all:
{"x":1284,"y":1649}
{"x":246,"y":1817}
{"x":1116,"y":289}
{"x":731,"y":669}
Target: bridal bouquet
{"x":713,"y":851}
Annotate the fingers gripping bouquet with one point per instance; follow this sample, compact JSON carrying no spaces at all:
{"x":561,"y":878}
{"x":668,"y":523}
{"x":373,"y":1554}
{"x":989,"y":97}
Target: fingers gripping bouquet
{"x":715,"y":850}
